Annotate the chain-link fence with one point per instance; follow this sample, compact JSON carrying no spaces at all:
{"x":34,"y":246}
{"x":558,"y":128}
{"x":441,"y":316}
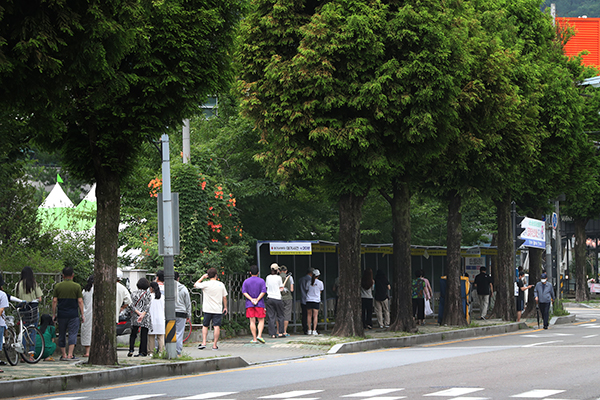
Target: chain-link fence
{"x":45,"y":281}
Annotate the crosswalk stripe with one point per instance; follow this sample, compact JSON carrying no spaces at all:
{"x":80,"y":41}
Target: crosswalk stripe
{"x":454,"y":392}
{"x":372,"y":393}
{"x":139,"y":396}
{"x":287,"y":395}
{"x":538,"y":393}
{"x":209,"y":395}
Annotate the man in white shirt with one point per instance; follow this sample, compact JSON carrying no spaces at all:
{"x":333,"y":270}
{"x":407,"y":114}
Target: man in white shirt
{"x":123,"y":296}
{"x":214,"y":305}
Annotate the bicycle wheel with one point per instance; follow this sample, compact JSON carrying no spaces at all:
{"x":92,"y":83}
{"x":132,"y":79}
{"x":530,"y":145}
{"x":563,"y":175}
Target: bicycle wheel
{"x":29,"y":335}
{"x":10,"y":341}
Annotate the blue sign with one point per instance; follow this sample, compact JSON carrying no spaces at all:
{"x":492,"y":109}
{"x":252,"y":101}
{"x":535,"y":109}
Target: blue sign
{"x":554,"y":220}
{"x":538,"y":244}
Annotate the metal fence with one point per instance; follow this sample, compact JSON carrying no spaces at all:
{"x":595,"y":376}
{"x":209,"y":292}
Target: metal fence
{"x":46,"y":282}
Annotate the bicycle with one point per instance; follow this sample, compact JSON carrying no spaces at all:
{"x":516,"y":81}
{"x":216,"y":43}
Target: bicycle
{"x":16,"y":345}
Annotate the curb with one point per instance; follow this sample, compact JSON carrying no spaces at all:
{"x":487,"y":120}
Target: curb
{"x":407,"y":341}
{"x":28,"y":387}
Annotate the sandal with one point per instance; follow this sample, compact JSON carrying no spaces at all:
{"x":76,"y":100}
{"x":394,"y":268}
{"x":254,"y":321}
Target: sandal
{"x":216,"y":348}
{"x":261,"y":340}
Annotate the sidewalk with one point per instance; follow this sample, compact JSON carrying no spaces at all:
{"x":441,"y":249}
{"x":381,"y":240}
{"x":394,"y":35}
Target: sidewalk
{"x":48,"y":376}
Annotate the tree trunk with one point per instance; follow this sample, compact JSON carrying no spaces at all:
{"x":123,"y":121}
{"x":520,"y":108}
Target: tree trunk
{"x":104,"y":340}
{"x":348,"y":320}
{"x":402,"y":318}
{"x":582,"y":293}
{"x":504,"y":306}
{"x":453,"y":310}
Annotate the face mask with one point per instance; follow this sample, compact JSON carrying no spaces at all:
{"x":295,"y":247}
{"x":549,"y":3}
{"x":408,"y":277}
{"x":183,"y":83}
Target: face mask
{"x":544,"y":280}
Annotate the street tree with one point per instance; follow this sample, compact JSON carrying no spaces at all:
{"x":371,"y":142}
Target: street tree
{"x":122,"y":72}
{"x":308,"y":81}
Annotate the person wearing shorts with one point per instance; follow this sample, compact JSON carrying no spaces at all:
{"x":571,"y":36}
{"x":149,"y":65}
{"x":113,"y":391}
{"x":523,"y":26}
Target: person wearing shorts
{"x":254,"y":290}
{"x":313,"y":301}
{"x":214,"y":305}
{"x":68,"y":301}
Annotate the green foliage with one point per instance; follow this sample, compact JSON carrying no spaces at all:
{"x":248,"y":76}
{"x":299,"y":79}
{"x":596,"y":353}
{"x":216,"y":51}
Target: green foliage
{"x":210,"y":231}
{"x":558,"y":309}
{"x":40,"y":261}
{"x":231,"y":327}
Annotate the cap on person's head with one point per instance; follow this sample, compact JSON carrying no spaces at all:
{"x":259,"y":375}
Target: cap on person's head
{"x":283,"y":268}
{"x":119,"y":274}
{"x":544,"y":276}
{"x":275,"y":266}
{"x":316,"y":272}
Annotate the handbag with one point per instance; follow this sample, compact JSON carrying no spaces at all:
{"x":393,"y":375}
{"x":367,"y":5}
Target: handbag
{"x":428,"y":309}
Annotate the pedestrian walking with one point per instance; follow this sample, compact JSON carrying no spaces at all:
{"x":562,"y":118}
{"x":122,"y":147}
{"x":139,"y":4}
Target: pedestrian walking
{"x":254,"y":290}
{"x":544,"y":296}
{"x":214,"y":305}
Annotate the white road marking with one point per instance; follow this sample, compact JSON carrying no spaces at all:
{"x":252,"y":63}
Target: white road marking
{"x":542,"y":343}
{"x":454,"y":392}
{"x":139,"y":396}
{"x":209,"y":395}
{"x":374,"y":392}
{"x":538,"y":394}
{"x":287,"y":395}
{"x":68,"y":398}
{"x":589,"y":336}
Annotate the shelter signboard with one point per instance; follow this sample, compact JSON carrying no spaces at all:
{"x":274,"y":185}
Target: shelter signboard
{"x":534,"y":233}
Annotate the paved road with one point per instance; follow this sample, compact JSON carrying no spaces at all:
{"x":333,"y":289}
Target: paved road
{"x":560,"y":363}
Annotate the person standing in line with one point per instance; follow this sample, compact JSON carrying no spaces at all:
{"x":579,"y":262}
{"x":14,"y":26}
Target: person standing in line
{"x":28,"y":290}
{"x":274,"y":304}
{"x":140,"y":317}
{"x":366,"y":296}
{"x":183,"y":312}
{"x":313,"y":302}
{"x":381,"y":296}
{"x":521,"y":293}
{"x":160,"y":279}
{"x":254,"y":290}
{"x":544,"y":296}
{"x":304,"y":283}
{"x":86,"y":327}
{"x":485,"y":289}
{"x":67,"y":304}
{"x":418,"y":297}
{"x":3,"y":305}
{"x":287,"y":297}
{"x":214,"y":305}
{"x":123,"y":295}
{"x":157,"y":316}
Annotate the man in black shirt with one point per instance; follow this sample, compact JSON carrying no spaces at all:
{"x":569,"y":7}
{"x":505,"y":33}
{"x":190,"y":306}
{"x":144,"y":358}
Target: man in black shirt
{"x":483,"y":284}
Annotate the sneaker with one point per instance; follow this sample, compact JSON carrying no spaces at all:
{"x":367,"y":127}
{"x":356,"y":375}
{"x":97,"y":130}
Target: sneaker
{"x":314,"y":333}
{"x":310,"y":332}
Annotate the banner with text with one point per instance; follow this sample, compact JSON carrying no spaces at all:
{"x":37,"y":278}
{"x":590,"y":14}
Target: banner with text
{"x":290,"y":248}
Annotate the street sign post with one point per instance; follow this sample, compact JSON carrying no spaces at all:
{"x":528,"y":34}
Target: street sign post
{"x":533,"y":233}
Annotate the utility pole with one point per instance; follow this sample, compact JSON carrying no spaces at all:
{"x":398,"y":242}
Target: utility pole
{"x":186,"y":141}
{"x":168,"y":247}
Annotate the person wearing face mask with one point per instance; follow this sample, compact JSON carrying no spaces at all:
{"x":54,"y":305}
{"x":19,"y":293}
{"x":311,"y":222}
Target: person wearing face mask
{"x":544,"y":296}
{"x":521,"y":294}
